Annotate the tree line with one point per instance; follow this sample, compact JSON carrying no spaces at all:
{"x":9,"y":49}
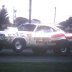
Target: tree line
{"x":66,"y":25}
{"x":4,"y":19}
{"x":5,"y":22}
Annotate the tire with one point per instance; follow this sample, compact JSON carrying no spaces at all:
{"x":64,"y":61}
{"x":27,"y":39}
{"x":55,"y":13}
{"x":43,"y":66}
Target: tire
{"x":18,"y":45}
{"x":38,"y":51}
{"x":62,"y":47}
{"x":62,"y":50}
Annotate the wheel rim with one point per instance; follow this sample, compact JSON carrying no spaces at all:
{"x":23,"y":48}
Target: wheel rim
{"x":18,"y":45}
{"x":63,"y":49}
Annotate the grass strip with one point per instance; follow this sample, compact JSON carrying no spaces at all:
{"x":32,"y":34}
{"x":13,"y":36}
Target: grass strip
{"x":35,"y":67}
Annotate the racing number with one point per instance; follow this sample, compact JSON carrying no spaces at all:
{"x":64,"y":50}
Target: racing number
{"x":39,"y":40}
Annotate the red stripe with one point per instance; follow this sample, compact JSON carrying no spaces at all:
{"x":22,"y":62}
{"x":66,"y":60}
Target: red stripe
{"x":58,"y":35}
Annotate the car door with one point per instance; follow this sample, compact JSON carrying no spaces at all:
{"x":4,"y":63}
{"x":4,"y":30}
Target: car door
{"x":26,"y":31}
{"x":42,"y":35}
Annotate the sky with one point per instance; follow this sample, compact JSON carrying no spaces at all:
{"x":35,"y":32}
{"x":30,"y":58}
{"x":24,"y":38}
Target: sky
{"x":43,"y":10}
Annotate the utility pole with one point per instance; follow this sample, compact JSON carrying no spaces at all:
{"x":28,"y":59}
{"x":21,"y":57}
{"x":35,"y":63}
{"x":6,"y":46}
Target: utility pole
{"x":55,"y":16}
{"x":30,"y":9}
{"x":14,"y":14}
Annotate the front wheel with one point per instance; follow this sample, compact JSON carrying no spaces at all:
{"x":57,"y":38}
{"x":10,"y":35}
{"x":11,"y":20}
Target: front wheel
{"x":18,"y":45}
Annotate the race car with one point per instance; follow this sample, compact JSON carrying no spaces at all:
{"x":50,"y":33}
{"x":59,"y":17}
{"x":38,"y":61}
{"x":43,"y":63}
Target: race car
{"x":39,"y":37}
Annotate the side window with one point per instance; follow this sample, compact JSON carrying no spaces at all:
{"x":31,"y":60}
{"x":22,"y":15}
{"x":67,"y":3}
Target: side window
{"x":51,"y":29}
{"x":27,"y":27}
{"x":22,"y":28}
{"x":45,"y":29}
{"x":48,"y":29}
{"x":40,"y":28}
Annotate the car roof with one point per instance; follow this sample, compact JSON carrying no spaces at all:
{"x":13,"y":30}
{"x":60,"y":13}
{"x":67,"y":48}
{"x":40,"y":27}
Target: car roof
{"x":39,"y":24}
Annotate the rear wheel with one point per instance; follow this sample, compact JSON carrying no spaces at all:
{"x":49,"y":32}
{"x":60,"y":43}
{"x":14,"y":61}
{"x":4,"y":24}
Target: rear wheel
{"x":62,"y":50}
{"x":65,"y":48}
{"x":18,"y":45}
{"x":62,"y":47}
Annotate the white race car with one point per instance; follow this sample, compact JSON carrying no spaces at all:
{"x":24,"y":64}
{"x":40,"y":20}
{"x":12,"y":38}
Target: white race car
{"x":39,"y":37}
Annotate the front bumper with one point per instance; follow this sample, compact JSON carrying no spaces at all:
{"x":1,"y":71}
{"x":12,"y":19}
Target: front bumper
{"x":4,"y":43}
